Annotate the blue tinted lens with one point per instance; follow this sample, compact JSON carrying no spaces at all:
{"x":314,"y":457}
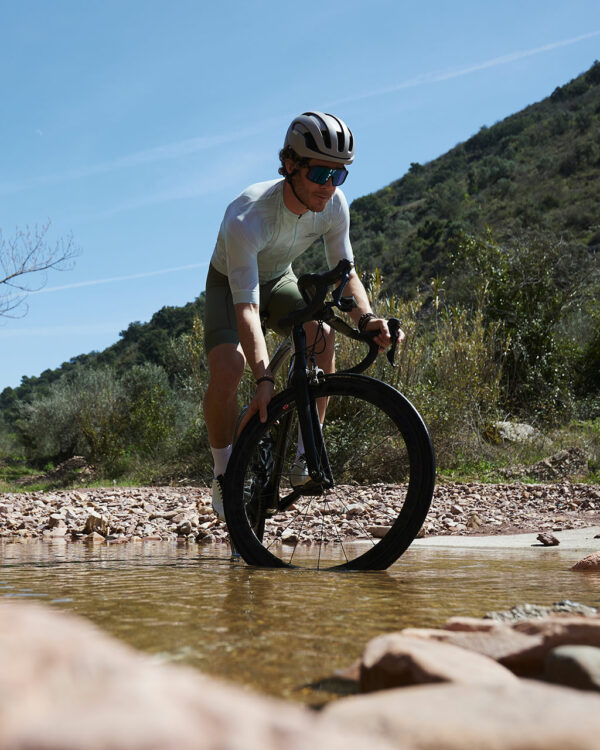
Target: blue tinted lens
{"x":321,"y":175}
{"x":339,"y":175}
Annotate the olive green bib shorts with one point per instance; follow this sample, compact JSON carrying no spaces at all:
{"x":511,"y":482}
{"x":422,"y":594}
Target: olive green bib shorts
{"x":278,"y":298}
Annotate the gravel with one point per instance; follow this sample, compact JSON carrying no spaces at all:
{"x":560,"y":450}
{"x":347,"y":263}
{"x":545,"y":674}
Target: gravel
{"x":122,"y":514}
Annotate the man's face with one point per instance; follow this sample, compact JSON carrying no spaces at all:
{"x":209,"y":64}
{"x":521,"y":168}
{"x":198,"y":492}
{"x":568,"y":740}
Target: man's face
{"x":313,"y":195}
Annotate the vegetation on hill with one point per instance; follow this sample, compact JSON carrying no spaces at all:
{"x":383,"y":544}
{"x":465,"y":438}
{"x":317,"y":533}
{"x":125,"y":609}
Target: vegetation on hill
{"x":488,"y":254}
{"x":138,"y":344}
{"x":535,"y":171}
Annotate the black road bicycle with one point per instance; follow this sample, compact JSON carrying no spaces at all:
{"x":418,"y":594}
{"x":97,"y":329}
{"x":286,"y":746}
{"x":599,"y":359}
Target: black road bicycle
{"x":372,"y":459}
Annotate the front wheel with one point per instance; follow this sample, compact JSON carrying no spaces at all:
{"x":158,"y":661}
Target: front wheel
{"x":382,"y":462}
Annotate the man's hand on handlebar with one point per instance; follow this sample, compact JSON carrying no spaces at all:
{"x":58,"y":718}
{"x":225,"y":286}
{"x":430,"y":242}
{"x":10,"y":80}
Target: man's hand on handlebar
{"x":383,"y":338}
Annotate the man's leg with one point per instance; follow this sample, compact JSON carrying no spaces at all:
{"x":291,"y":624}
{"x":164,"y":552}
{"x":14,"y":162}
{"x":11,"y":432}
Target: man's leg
{"x":324,"y":355}
{"x":226,"y":366}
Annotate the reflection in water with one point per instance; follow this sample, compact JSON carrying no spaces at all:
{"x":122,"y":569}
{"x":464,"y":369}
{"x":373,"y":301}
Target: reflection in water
{"x":271,"y":629}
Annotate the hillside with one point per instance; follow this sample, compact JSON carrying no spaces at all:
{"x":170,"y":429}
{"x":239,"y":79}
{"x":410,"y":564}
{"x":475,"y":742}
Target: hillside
{"x":139,"y":343}
{"x":537,"y":171}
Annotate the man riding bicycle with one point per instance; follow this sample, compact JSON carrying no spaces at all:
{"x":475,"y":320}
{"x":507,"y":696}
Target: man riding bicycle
{"x":250,"y":278}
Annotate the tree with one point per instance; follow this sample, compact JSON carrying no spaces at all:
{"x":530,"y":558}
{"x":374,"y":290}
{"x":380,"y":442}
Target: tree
{"x":30,"y":253}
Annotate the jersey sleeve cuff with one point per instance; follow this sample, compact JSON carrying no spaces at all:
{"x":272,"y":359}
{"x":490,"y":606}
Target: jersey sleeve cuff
{"x":246,"y":296}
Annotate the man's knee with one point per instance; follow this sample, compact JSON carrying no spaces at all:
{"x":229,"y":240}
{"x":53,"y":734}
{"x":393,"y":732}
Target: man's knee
{"x":226,"y":367}
{"x":325,"y":355}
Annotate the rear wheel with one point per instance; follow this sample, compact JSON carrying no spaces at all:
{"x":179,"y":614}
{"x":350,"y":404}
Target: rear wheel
{"x":382,"y":463}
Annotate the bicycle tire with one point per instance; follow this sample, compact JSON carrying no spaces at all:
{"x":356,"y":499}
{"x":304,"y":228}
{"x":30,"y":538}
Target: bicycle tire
{"x":369,"y":427}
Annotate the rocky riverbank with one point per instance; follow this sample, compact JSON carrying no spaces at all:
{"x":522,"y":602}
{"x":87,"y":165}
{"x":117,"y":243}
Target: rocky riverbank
{"x":121,"y":514}
{"x":531,"y":684}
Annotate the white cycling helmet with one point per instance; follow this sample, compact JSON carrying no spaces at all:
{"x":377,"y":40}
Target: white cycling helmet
{"x":316,"y":135}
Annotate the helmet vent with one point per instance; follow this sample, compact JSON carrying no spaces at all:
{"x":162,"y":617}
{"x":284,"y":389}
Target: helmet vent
{"x":310,"y":142}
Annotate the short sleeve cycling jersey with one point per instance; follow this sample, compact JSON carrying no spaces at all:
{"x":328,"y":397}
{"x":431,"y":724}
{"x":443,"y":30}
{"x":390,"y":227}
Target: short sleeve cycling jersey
{"x":260,"y":237}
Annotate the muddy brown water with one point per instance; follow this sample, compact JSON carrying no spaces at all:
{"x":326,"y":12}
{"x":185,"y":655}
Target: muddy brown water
{"x":276,"y":631}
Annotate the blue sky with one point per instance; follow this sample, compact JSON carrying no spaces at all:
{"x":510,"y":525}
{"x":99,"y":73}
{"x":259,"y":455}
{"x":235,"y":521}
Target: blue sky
{"x":131,"y":124}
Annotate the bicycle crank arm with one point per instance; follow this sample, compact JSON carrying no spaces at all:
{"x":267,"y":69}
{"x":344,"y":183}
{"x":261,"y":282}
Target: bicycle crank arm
{"x":309,"y":489}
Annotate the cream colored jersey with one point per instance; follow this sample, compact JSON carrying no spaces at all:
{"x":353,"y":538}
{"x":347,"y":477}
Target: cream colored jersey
{"x":260,"y":237}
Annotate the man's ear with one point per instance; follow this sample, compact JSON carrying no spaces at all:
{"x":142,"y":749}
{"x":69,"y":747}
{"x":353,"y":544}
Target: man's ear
{"x":290,"y":166}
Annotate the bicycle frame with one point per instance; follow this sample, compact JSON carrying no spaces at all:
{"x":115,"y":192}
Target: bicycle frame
{"x":299,"y":378}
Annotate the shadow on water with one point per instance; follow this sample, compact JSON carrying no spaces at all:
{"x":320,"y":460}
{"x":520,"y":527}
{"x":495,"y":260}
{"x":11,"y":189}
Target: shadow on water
{"x":270,"y":629}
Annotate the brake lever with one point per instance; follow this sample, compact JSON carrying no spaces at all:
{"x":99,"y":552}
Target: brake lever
{"x":394,"y":329}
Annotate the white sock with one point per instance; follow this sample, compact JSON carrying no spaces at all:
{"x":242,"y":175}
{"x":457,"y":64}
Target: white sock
{"x":300,"y":448}
{"x":221,"y":458}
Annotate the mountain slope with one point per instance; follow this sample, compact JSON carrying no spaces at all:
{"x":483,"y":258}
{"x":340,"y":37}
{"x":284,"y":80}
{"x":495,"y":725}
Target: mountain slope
{"x":536,"y":171}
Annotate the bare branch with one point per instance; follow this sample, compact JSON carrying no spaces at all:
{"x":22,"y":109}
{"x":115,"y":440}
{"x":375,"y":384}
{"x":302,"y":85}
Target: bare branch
{"x":29,"y":253}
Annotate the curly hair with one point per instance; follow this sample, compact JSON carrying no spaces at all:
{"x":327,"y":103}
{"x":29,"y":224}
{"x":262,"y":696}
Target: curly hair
{"x":289,"y":153}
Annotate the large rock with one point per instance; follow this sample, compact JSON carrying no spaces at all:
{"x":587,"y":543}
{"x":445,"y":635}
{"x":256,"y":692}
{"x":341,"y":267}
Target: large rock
{"x":590,"y":563}
{"x":558,"y":631}
{"x":521,"y":646}
{"x":516,"y":432}
{"x":574,"y":666}
{"x":66,"y":686}
{"x":395,"y":660}
{"x":527,"y":716}
{"x":96,"y":522}
{"x":521,"y":653}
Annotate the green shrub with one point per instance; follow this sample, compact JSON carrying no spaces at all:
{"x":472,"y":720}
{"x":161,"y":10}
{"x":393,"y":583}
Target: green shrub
{"x":530,"y":287}
{"x":8,"y":441}
{"x":110,"y":420}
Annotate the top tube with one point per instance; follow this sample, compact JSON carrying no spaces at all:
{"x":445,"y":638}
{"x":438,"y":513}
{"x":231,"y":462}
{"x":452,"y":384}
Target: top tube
{"x":314,"y":287}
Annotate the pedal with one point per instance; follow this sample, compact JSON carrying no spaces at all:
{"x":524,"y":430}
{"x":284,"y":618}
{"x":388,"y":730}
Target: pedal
{"x":315,"y":376}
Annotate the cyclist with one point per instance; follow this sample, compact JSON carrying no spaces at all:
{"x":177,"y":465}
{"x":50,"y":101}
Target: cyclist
{"x":250,"y":280}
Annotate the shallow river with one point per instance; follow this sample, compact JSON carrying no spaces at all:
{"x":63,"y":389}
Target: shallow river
{"x":278,"y":631}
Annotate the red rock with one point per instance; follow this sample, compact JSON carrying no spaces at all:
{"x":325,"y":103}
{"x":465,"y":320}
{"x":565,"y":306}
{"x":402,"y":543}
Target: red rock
{"x":521,"y":653}
{"x":591,"y":562}
{"x":395,"y":660}
{"x":557,"y":630}
{"x":548,"y":540}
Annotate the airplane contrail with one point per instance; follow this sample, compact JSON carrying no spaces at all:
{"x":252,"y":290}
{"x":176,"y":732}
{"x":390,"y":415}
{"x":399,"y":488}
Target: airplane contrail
{"x":436,"y":77}
{"x":141,"y":275}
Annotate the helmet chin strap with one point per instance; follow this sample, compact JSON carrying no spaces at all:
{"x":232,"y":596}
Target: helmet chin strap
{"x":288,"y":179}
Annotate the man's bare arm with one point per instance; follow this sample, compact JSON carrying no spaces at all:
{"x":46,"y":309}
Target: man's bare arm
{"x":255,"y":350}
{"x":354,"y":288}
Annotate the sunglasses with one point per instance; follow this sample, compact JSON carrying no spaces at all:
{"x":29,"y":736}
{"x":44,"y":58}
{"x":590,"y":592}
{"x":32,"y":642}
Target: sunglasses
{"x":321,"y":175}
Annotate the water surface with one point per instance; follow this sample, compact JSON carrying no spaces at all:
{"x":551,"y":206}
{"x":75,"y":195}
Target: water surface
{"x":276,"y":630}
